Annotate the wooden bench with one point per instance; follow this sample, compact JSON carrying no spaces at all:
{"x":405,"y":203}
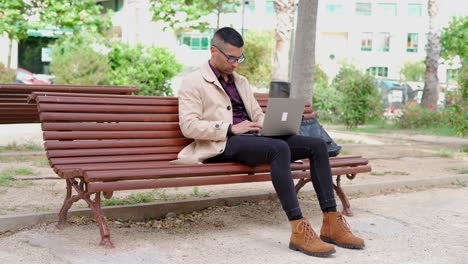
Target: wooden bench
{"x":14,"y":107}
{"x":104,"y":143}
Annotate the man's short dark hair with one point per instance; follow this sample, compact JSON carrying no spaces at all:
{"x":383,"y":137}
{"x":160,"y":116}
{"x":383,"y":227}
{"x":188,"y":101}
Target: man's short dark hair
{"x":227,"y":35}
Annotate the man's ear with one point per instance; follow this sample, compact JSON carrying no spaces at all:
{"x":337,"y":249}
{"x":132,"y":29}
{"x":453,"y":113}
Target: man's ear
{"x":212,"y":49}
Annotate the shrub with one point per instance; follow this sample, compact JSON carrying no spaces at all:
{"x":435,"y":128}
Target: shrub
{"x":149,"y":69}
{"x":76,"y":61}
{"x":415,"y":116}
{"x":7,"y":75}
{"x":358,"y":98}
{"x":258,"y":65}
{"x":324,"y":100}
{"x":457,"y":111}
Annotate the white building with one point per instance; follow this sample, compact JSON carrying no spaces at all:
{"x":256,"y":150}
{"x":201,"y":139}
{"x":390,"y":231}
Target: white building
{"x":377,"y":35}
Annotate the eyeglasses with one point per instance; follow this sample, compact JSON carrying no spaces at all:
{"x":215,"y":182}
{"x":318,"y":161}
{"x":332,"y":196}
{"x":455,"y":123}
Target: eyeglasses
{"x":232,"y":59}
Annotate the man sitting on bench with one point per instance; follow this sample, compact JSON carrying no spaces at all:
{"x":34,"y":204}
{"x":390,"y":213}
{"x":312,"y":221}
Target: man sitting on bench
{"x":216,"y":106}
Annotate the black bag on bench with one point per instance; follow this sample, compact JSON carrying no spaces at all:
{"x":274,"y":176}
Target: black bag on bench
{"x":311,"y":127}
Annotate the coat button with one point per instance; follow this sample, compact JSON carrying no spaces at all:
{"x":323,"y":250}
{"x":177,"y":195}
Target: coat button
{"x":229,"y":108}
{"x":217,"y":126}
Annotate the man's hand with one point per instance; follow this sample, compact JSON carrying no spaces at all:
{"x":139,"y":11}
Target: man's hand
{"x":244,"y":127}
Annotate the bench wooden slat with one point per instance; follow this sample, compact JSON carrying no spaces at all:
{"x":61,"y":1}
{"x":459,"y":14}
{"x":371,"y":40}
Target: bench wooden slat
{"x":358,"y":161}
{"x":112,"y":151}
{"x":200,"y":181}
{"x":117,"y":158}
{"x":147,"y":126}
{"x":71,"y":88}
{"x":129,"y":100}
{"x":51,"y":116}
{"x":172,"y":171}
{"x":122,"y":143}
{"x":163,"y":183}
{"x":52,"y":135}
{"x":92,"y":108}
{"x":181,"y":182}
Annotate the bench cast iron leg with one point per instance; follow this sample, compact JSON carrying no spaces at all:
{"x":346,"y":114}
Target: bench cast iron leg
{"x":100,"y":219}
{"x":344,"y":200}
{"x":301,"y":183}
{"x":68,"y":202}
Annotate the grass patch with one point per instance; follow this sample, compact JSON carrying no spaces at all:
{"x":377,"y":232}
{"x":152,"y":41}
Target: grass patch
{"x":41,"y":162}
{"x":41,"y":209}
{"x":7,"y":177}
{"x":376,"y":173}
{"x":381,"y":126}
{"x":459,"y":183}
{"x":197,"y":193}
{"x":461,"y":170}
{"x":445,"y":153}
{"x":464,"y":149}
{"x":136,"y":198}
{"x":27,"y":146}
{"x":23,"y":171}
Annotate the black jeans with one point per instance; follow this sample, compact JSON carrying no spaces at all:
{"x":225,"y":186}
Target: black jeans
{"x":279,"y":152}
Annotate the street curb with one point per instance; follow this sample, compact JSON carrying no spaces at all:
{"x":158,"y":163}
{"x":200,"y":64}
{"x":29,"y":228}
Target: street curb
{"x":158,"y":210}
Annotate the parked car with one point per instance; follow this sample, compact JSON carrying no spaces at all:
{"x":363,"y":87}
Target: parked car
{"x":26,"y":77}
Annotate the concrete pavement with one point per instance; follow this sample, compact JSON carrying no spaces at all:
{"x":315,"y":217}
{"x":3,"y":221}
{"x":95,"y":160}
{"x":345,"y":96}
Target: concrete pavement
{"x":417,"y":227}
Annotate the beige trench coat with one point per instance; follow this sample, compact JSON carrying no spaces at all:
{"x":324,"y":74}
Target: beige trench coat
{"x":205,"y":112}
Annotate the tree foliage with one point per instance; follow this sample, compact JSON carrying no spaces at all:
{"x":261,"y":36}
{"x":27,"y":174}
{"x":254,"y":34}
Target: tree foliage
{"x":6,"y":75}
{"x":147,"y":68}
{"x":189,"y":13}
{"x":80,"y":59}
{"x":413,"y":71}
{"x":14,"y":18}
{"x":257,"y":68}
{"x":454,"y":39}
{"x":17,"y":16}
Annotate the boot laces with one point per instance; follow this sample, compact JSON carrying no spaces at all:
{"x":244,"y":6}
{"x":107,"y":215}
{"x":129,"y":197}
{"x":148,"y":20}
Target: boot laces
{"x":343,"y":223}
{"x":309,"y":233}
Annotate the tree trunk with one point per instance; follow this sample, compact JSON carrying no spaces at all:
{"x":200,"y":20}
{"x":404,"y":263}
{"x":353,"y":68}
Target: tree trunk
{"x":10,"y":48}
{"x":303,"y":59}
{"x":431,"y":81}
{"x":284,"y":25}
{"x":218,"y":13}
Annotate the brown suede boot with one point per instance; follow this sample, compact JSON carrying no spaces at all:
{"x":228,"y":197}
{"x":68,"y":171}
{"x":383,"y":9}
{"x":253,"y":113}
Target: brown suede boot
{"x":336,"y":230}
{"x":303,"y":238}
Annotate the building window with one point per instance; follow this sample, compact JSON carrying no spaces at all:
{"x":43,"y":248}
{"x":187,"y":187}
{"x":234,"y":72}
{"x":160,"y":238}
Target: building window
{"x":270,"y":6}
{"x":378,"y":71}
{"x":334,"y":9}
{"x":195,"y":42}
{"x":364,"y":9}
{"x":383,"y":42}
{"x":412,"y":42}
{"x":387,"y":9}
{"x":366,"y":41}
{"x":414,"y":9}
{"x":250,"y":6}
{"x":229,"y":7}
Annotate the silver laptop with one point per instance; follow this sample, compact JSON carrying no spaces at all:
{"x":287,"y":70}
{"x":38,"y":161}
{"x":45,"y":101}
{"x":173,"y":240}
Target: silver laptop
{"x":283,"y":117}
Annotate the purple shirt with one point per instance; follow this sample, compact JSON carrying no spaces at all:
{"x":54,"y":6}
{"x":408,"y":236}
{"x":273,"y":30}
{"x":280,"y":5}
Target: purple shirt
{"x":239,"y":113}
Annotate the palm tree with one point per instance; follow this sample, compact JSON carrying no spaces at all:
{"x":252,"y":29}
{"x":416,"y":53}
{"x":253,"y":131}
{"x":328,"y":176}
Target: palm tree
{"x":303,"y":62}
{"x":431,"y":81}
{"x":284,"y":25}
